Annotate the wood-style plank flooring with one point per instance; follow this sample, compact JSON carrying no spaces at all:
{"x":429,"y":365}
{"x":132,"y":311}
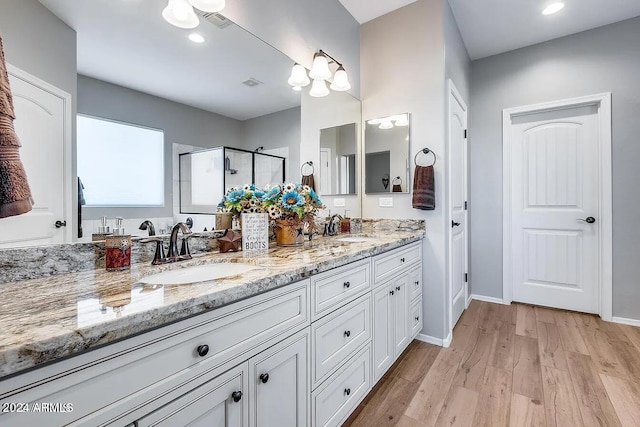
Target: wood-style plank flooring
{"x":515,"y":366}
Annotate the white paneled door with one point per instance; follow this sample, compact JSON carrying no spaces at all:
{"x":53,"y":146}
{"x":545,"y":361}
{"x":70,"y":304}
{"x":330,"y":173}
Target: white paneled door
{"x":555,"y":208}
{"x":41,"y":121}
{"x":458,"y":285}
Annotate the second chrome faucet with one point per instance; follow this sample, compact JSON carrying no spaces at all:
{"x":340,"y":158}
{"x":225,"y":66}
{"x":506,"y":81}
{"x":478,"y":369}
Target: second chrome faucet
{"x":174,"y":255}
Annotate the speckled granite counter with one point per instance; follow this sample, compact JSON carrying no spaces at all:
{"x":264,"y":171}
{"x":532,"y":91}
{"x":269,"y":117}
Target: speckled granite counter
{"x":42,"y":320}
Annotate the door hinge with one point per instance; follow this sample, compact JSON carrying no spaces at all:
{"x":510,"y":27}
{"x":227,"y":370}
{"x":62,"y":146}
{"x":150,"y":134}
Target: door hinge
{"x":465,"y":205}
{"x":466,"y":277}
{"x":465,"y":134}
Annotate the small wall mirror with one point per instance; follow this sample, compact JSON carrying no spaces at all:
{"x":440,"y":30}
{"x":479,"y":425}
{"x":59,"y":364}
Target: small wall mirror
{"x":338,"y":160}
{"x":386,"y":141}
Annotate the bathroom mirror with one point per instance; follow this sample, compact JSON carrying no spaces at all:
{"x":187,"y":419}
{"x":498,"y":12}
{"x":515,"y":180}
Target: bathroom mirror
{"x":337,"y":167}
{"x":386,"y":159}
{"x":127,"y":64}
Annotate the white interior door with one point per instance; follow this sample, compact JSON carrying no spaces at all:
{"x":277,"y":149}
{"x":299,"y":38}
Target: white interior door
{"x":40,"y":125}
{"x":458,"y":284}
{"x":555,"y":205}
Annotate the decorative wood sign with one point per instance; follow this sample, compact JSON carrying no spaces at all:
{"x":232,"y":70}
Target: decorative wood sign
{"x":255,"y":232}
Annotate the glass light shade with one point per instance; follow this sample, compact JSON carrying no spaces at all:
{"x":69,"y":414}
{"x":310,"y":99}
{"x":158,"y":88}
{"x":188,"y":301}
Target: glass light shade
{"x":299,"y":76}
{"x":386,"y":124}
{"x":211,"y":6}
{"x":180,"y":14}
{"x":320,"y":68}
{"x":402,"y":120}
{"x":297,"y":88}
{"x":340,"y":81}
{"x":319,"y":89}
{"x":374,"y":121}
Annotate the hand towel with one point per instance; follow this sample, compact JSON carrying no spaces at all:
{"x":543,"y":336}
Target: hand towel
{"x":15,"y":194}
{"x":308,"y":180}
{"x":424,"y":188}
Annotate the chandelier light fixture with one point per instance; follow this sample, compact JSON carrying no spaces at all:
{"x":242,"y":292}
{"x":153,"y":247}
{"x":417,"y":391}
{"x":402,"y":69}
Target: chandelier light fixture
{"x":181,"y":14}
{"x":320,"y":73}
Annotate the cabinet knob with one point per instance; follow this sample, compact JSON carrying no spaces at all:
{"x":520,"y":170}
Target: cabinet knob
{"x":417,"y":282}
{"x":392,"y":292}
{"x":264,"y":378}
{"x":398,"y":288}
{"x":347,"y":391}
{"x":347,"y":334}
{"x":402,"y":259}
{"x":203,"y":350}
{"x":236,"y":396}
{"x":417,"y":318}
{"x":347,"y":284}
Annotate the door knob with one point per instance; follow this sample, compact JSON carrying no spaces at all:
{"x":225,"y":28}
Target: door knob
{"x":60,"y":224}
{"x":454,"y":224}
{"x":588,"y":220}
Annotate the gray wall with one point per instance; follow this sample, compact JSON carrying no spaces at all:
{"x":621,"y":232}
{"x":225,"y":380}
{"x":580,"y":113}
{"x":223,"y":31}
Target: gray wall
{"x":280,"y":129}
{"x":456,"y":59}
{"x":605,"y":59}
{"x":402,"y":59}
{"x":181,"y":124}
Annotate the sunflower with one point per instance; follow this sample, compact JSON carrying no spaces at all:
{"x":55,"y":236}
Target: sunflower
{"x":291,"y":199}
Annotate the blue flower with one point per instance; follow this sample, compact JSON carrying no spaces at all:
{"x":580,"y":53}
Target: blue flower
{"x":258,"y":194}
{"x":291,"y":199}
{"x":235,"y":196}
{"x":272,"y":194}
{"x":314,"y":196}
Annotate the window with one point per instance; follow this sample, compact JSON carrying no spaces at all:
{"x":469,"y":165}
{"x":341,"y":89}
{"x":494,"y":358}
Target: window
{"x":120,"y":164}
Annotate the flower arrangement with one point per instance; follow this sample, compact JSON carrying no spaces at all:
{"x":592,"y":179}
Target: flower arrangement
{"x":291,"y":201}
{"x":247,"y":199}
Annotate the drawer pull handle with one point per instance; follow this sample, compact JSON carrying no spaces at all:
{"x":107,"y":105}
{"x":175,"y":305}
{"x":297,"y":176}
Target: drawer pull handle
{"x":236,"y":396}
{"x":392,"y":292}
{"x":347,"y":391}
{"x":347,"y":284}
{"x":347,"y":334}
{"x":264,"y":378}
{"x":398,"y":288}
{"x":402,"y":259}
{"x":417,"y":318}
{"x":203,"y":350}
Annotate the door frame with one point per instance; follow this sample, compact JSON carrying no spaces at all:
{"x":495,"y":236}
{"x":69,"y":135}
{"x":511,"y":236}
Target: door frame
{"x":603,"y":102}
{"x":452,"y":91}
{"x":67,"y":162}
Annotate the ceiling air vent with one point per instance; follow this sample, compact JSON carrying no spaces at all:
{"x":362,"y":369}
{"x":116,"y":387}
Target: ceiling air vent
{"x":215,"y":18}
{"x":252,"y":82}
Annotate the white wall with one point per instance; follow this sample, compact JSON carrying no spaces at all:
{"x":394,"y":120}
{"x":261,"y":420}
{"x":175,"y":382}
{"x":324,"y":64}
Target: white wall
{"x":605,"y":59}
{"x":402,"y":61}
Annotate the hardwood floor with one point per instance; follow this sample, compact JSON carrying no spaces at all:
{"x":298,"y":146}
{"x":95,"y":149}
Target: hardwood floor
{"x":514,"y":366}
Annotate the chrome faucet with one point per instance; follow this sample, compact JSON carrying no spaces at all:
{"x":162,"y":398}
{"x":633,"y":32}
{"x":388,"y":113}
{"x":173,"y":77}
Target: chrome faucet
{"x":330,"y":228}
{"x":148,"y":225}
{"x":184,"y":253}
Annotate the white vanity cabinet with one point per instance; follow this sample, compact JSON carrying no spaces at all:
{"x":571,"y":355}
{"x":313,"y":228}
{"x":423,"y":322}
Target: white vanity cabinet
{"x":397,"y":292}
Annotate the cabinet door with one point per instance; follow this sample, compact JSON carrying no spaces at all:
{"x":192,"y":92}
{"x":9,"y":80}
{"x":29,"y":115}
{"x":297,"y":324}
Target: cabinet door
{"x":279,"y":384}
{"x":383,"y":329}
{"x":219,"y":402}
{"x":400,"y":301}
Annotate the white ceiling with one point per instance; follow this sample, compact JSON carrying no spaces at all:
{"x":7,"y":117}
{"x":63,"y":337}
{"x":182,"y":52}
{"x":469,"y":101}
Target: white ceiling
{"x":366,"y":10}
{"x":127,"y":42}
{"x":489,"y":27}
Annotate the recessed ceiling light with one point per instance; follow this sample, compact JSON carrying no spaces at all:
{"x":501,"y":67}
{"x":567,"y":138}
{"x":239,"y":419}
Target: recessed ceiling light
{"x":196,"y":38}
{"x":553,"y":8}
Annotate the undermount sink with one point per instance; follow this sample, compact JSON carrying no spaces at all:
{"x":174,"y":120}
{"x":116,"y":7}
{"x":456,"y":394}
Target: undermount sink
{"x":355,"y":239}
{"x":196,"y":274}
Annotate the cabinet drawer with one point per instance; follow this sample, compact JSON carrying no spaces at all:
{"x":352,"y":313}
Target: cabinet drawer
{"x":337,"y":397}
{"x":385,"y":265}
{"x":415,"y":321}
{"x":415,"y":283}
{"x":338,"y":335}
{"x":339,"y":286}
{"x":164,"y":363}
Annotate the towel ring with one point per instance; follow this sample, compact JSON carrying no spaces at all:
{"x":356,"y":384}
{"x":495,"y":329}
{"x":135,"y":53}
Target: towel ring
{"x":424,"y":151}
{"x":309,"y":163}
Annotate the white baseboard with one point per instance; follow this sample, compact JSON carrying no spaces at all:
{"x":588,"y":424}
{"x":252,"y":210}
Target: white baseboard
{"x":435,"y":341}
{"x":493,"y":300}
{"x":624,"y":321}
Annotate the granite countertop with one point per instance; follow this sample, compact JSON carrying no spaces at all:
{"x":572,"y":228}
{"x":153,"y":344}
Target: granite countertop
{"x":53,"y":317}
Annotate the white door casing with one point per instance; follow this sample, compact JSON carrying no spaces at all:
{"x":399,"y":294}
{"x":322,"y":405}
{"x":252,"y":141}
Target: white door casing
{"x":457,"y":169}
{"x":325,"y":171}
{"x":557,"y":173}
{"x":43,"y":125}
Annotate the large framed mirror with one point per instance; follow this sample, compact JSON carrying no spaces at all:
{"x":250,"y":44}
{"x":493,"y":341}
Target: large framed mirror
{"x":386,"y":154}
{"x":337,"y":167}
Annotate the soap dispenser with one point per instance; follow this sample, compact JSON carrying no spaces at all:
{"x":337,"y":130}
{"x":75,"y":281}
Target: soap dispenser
{"x":103,"y":230}
{"x":118,"y":248}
